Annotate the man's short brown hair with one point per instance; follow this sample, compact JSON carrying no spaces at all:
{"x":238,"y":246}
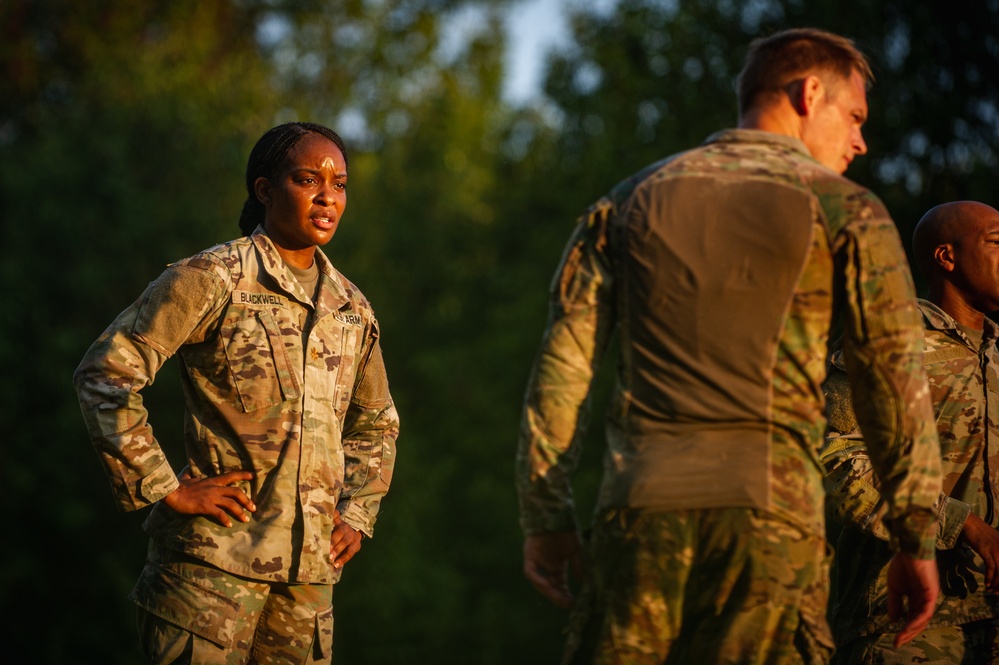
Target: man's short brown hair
{"x":776,"y":61}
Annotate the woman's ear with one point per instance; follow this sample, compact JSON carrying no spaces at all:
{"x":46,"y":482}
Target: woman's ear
{"x":262,"y":188}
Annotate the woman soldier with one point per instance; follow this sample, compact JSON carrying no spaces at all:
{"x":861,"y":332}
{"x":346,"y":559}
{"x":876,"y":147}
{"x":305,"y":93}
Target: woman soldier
{"x":289,"y":427}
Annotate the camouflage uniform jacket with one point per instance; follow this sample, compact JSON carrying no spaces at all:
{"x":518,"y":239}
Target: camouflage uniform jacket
{"x":719,"y":268}
{"x":292,"y":391}
{"x":965,"y":393}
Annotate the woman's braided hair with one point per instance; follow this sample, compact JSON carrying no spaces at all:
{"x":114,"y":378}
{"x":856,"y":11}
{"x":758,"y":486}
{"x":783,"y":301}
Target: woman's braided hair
{"x":267,"y":158}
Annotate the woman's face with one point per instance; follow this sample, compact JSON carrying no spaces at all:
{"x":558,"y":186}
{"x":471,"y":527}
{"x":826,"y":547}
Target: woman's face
{"x":303,"y":203}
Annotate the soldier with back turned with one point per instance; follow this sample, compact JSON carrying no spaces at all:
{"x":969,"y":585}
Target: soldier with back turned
{"x":718,"y":268}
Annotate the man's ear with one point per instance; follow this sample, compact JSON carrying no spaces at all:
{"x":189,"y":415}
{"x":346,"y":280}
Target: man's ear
{"x":262,"y":188}
{"x":805,"y":94}
{"x":943,"y":255}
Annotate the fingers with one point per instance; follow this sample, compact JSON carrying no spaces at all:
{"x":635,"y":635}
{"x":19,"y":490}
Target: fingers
{"x":990,"y":556}
{"x":239,"y":496}
{"x":552,"y":585}
{"x":344,"y":552}
{"x":213,"y":497}
{"x":345,"y":542}
{"x":221,"y":507}
{"x":232,"y":477}
{"x":918,"y":579}
{"x":548,"y":558}
{"x":984,"y":540}
{"x":237,"y":506}
{"x":232,"y":500}
{"x":220,"y":516}
{"x":990,"y":573}
{"x":920,"y":612}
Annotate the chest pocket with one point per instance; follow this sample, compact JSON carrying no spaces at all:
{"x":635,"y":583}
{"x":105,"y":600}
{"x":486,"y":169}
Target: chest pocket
{"x":258,"y":360}
{"x":348,"y":368}
{"x":334,"y":347}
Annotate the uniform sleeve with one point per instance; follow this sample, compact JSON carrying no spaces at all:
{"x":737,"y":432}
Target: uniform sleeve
{"x":370,"y":430}
{"x":555,"y":413}
{"x":124,"y":359}
{"x":853,"y":496}
{"x":883,"y":354}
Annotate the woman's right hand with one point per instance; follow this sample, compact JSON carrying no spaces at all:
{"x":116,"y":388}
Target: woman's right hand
{"x":213,"y":496}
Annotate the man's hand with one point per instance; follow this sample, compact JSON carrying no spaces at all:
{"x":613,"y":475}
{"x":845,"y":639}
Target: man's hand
{"x":212,"y":496}
{"x":548,"y":557}
{"x":918,"y":580}
{"x":345,"y":541}
{"x":985,"y":541}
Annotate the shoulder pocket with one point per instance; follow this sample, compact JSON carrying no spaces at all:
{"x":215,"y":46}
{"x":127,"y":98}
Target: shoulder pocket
{"x":175,"y":308}
{"x":258,"y":359}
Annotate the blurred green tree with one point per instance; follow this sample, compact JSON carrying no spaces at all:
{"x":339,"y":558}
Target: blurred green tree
{"x":123,"y":128}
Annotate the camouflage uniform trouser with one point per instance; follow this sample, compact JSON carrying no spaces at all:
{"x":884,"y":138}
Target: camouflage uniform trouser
{"x":702,"y":586}
{"x":969,"y":644}
{"x":190,"y":612}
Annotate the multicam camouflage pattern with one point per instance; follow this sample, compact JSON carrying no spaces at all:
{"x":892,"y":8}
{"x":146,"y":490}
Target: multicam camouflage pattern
{"x":975,"y":643}
{"x":745,"y":586}
{"x":854,"y":252}
{"x":191,"y":612}
{"x":965,"y":394}
{"x":292,"y":391}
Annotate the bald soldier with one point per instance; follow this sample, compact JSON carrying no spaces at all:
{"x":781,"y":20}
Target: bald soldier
{"x":956,"y":247}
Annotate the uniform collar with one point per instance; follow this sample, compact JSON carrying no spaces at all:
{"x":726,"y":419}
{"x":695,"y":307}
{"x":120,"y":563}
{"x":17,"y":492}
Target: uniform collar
{"x":758,"y":136}
{"x":332,"y":294}
{"x":937,"y":319}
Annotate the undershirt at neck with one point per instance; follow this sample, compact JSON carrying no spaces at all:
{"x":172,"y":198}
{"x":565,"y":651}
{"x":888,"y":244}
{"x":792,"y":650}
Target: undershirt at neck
{"x":308,"y":278}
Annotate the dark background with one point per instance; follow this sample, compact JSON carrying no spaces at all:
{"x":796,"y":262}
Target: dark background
{"x":124,"y":131}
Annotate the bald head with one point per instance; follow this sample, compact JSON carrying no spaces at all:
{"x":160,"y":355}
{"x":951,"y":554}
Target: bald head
{"x":948,"y":223}
{"x":956,"y":247}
